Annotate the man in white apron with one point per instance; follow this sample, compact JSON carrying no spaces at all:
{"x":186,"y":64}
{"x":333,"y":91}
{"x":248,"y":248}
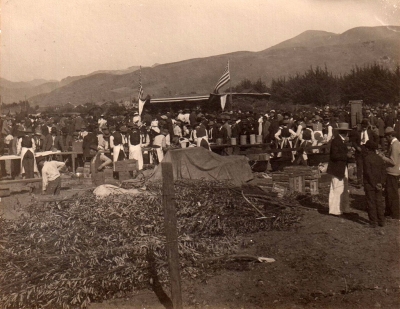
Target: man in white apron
{"x":337,"y":167}
{"x":202,"y":136}
{"x":26,"y":148}
{"x":135,"y":145}
{"x":117,"y":141}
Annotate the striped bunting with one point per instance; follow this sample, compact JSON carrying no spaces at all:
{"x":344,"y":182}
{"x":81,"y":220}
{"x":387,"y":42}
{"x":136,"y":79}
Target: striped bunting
{"x":180,"y":99}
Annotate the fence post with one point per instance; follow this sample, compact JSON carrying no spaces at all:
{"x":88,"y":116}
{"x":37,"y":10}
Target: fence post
{"x":170,"y":226}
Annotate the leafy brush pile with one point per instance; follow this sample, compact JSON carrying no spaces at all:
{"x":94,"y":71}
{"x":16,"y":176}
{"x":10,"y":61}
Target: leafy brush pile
{"x":70,"y":253}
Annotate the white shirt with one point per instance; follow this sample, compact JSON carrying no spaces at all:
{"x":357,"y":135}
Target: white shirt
{"x":364,"y":137}
{"x":50,"y":172}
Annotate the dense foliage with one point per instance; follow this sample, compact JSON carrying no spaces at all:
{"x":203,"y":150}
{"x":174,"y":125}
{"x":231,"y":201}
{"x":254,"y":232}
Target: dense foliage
{"x":373,"y":84}
{"x":69,"y":253}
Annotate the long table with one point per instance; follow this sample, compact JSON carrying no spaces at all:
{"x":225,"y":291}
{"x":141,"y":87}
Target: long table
{"x":44,"y":154}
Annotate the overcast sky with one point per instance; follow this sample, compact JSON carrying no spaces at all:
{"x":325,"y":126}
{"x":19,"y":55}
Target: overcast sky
{"x":53,"y":39}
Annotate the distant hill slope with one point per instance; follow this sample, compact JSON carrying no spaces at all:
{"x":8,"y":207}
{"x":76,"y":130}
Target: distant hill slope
{"x":339,"y":52}
{"x":18,"y":91}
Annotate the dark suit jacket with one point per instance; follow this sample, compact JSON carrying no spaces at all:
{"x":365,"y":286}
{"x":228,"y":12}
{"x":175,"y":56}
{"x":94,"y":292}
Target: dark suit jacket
{"x":48,"y":142}
{"x":374,"y":171}
{"x":88,"y":140}
{"x":58,"y":143}
{"x":338,"y":158}
{"x":356,"y":140}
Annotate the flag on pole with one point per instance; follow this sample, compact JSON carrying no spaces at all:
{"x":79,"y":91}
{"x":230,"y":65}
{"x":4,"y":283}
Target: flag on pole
{"x":226,"y":77}
{"x":140,"y":85}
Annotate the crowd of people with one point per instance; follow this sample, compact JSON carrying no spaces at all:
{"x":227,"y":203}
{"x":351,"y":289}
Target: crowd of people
{"x":111,"y":138}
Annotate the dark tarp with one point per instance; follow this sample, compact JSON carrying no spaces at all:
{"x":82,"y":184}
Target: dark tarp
{"x":200,"y":163}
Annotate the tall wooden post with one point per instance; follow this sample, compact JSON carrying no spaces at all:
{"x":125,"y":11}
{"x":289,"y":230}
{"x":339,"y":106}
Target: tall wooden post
{"x":170,"y":226}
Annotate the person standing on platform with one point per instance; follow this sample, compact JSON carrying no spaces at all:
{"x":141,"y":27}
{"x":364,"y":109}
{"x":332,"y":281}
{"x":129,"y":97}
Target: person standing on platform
{"x":393,"y":173}
{"x":374,"y":180}
{"x":337,"y":167}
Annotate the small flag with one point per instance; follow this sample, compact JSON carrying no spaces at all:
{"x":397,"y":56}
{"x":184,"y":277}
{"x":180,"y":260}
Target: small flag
{"x":226,"y":77}
{"x":140,"y":85}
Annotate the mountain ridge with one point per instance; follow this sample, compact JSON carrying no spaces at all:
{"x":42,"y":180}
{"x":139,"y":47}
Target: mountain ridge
{"x":339,"y":52}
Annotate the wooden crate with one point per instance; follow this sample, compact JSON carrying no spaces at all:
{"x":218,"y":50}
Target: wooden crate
{"x":125,"y":165}
{"x":314,"y":187}
{"x":86,"y":170}
{"x":4,"y":191}
{"x":108,"y":173}
{"x":125,"y":175}
{"x":98,"y":178}
{"x":279,"y":189}
{"x":297,"y":184}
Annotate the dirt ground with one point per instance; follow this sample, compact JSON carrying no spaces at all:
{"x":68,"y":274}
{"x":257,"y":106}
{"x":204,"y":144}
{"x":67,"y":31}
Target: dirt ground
{"x":324,"y":262}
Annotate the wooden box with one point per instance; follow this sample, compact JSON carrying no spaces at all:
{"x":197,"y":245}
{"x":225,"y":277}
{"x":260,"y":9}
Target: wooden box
{"x":108,"y":173}
{"x":297,"y":184}
{"x":124,"y":175}
{"x":4,"y":191}
{"x":279,"y":189}
{"x":125,"y":165}
{"x":314,"y":187}
{"x":86,"y":170}
{"x":98,"y":179}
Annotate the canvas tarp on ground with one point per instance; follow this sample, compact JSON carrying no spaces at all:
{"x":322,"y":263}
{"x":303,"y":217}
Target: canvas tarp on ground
{"x":198,"y":163}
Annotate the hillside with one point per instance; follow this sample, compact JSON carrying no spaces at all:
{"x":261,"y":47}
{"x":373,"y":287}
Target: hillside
{"x":339,"y":52}
{"x":18,"y":91}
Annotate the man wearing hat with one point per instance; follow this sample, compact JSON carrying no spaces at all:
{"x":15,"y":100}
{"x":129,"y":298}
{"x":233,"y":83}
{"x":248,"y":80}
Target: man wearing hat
{"x":89,"y":139}
{"x":49,"y":138}
{"x":104,"y":139}
{"x":38,"y":139}
{"x":374,"y":180}
{"x":98,"y":163}
{"x":358,"y":141}
{"x":102,"y":122}
{"x":337,"y":167}
{"x":160,"y":143}
{"x":393,"y":173}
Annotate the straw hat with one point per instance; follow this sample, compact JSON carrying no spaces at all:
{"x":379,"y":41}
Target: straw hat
{"x":343,"y":126}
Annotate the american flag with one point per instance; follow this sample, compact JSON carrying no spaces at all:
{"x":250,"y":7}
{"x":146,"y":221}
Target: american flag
{"x":226,"y":77}
{"x":140,"y":84}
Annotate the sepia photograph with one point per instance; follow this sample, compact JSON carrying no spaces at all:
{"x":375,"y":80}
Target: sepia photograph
{"x":224,"y":154}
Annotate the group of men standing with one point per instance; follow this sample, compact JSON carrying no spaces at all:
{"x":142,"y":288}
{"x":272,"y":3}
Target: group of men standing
{"x":377,"y":171}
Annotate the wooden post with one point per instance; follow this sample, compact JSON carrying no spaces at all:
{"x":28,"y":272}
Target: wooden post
{"x":170,"y":226}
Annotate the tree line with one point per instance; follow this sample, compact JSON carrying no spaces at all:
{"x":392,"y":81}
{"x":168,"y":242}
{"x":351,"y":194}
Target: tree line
{"x":373,"y":84}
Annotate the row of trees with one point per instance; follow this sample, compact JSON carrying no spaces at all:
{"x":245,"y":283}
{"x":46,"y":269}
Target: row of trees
{"x":373,"y":84}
